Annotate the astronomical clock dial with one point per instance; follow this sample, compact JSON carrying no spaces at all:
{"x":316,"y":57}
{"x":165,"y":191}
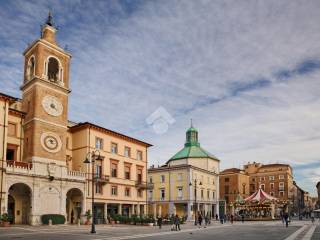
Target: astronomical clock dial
{"x":52,"y":105}
{"x":51,"y":142}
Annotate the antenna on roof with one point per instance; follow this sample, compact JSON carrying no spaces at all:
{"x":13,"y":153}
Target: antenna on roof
{"x":191,"y":122}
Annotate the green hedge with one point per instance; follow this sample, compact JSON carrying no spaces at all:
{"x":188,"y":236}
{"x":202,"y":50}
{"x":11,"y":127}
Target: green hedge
{"x":56,"y":218}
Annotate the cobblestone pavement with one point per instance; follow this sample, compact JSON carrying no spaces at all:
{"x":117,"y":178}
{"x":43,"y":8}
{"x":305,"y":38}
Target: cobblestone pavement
{"x":246,"y":231}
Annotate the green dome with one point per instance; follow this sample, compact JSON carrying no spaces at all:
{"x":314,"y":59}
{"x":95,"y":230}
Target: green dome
{"x":192,"y":147}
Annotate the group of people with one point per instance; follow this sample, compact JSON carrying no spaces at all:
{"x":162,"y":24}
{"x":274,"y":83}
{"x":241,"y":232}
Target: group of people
{"x":175,"y":220}
{"x":200,"y":219}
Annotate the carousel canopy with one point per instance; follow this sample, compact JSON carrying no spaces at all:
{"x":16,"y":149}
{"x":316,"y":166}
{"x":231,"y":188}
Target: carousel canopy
{"x":260,"y":196}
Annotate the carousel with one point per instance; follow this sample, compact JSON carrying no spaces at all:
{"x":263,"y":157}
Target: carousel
{"x":259,"y":206}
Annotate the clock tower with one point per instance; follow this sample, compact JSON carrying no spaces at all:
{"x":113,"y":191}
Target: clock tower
{"x":45,"y":91}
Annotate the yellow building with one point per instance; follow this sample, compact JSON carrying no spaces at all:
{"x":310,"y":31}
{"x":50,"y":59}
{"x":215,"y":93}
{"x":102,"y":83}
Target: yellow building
{"x":42,"y":153}
{"x":187,"y":183}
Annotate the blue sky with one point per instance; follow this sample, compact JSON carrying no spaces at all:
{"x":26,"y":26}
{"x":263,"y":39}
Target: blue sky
{"x":246,"y":72}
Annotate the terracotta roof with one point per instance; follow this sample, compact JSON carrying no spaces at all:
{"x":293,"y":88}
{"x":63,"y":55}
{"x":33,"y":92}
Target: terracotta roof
{"x":80,"y":126}
{"x":3,"y":95}
{"x":231,"y":170}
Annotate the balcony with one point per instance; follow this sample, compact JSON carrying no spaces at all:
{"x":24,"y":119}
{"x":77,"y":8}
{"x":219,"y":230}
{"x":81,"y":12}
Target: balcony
{"x":104,"y":179}
{"x":144,"y":185}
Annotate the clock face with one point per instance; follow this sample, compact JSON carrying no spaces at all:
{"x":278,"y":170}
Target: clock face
{"x":52,"y":105}
{"x":51,"y":142}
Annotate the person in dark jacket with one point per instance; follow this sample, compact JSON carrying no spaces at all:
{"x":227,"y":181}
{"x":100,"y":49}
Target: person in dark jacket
{"x":200,"y":219}
{"x":159,"y":222}
{"x":217,"y":217}
{"x":177,"y":222}
{"x":286,"y":219}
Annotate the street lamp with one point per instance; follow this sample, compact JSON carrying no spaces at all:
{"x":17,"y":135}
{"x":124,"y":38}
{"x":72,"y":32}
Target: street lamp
{"x":95,"y":156}
{"x":195,"y":207}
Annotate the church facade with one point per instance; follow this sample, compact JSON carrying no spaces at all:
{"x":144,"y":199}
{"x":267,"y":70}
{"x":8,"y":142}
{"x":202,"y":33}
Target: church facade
{"x":42,"y":153}
{"x":188,"y":184}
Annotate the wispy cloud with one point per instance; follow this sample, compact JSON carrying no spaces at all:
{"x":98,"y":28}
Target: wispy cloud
{"x":247,"y":72}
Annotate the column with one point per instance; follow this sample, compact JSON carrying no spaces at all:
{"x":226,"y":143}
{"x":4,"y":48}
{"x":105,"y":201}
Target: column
{"x":144,"y":209}
{"x":138,"y":209}
{"x":189,"y":211}
{"x":160,"y":210}
{"x":120,"y":209}
{"x":106,"y":212}
{"x":154,"y":208}
{"x":171,"y":208}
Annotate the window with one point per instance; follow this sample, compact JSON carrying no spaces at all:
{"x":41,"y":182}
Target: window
{"x":213,"y":182}
{"x":139,"y":175}
{"x":127,"y":172}
{"x":213,"y":195}
{"x":114,"y":190}
{"x":179,"y":177}
{"x":114,"y":148}
{"x":150,"y":180}
{"x":139,"y":155}
{"x":272,"y":186}
{"x":12,"y":129}
{"x":12,"y":152}
{"x":281,"y":193}
{"x":127,"y":192}
{"x":243,"y":189}
{"x":162,"y":178}
{"x":226,"y":179}
{"x":226,"y":189}
{"x":98,"y":170}
{"x":281,"y":176}
{"x":30,"y":68}
{"x":262,"y":179}
{"x":99,"y":143}
{"x":53,"y":70}
{"x":271,"y":178}
{"x":180,"y":193}
{"x":208,"y":194}
{"x":99,"y":188}
{"x":202,"y":193}
{"x":281,"y":185}
{"x":114,"y":169}
{"x":253,"y":179}
{"x":139,"y":193}
{"x":127,"y":152}
{"x":262,"y":186}
{"x":150,"y":193}
{"x":162,"y":194}
{"x":272,"y":194}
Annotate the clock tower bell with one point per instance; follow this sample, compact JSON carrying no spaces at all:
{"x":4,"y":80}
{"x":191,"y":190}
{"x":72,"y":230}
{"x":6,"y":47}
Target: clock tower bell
{"x":45,"y":91}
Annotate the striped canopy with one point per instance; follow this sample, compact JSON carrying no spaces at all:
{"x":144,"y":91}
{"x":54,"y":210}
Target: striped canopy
{"x":260,"y":196}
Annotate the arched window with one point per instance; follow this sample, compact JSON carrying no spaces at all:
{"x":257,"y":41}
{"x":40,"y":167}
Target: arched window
{"x":30,"y":68}
{"x":53,"y":70}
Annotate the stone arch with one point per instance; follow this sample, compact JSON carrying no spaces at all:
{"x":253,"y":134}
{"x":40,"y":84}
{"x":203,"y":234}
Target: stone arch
{"x":19,"y":203}
{"x":54,"y":70}
{"x":30,"y":71}
{"x":74,"y":204}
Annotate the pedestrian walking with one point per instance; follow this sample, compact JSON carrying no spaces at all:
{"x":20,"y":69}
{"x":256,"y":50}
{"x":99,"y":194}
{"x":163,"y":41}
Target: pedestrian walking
{"x":200,"y":219}
{"x":242,"y":217}
{"x":159,"y":222}
{"x":177,"y":222}
{"x":286,"y":218}
{"x":231,"y":218}
{"x":221,"y":219}
{"x":206,"y":220}
{"x":217,"y":217}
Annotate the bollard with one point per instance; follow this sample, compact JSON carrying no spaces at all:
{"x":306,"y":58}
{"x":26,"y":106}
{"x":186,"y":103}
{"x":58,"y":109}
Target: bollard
{"x":50,"y":222}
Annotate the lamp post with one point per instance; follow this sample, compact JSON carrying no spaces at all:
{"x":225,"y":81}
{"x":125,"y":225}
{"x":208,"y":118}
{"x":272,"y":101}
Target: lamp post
{"x":94,"y":155}
{"x":195,"y":207}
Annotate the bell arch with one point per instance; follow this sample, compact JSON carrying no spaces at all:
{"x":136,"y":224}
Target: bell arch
{"x":30,"y":71}
{"x":53,"y":70}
